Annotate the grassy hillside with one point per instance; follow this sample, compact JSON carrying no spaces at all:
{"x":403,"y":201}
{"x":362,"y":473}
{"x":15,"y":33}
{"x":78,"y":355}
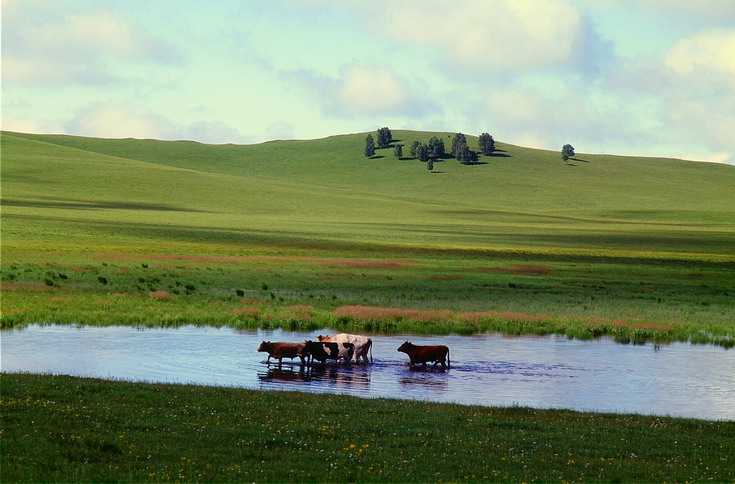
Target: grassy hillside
{"x":520,"y":233}
{"x":326,"y":190}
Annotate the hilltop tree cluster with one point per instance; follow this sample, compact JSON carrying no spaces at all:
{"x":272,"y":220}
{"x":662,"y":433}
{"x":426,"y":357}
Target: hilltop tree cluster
{"x":434,"y":149}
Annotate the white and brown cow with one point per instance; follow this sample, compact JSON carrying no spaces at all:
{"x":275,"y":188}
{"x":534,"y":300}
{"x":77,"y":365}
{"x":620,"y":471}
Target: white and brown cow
{"x":323,"y":351}
{"x":363,"y":344}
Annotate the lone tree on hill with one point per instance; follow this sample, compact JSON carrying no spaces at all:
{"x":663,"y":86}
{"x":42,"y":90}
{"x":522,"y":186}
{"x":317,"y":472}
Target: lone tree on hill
{"x":398,"y":151}
{"x":487,"y":144}
{"x":384,"y":137}
{"x":430,"y":165}
{"x":567,"y":151}
{"x":369,"y":146}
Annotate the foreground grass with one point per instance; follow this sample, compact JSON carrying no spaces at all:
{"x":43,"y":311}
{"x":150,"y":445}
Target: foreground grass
{"x":67,"y":429}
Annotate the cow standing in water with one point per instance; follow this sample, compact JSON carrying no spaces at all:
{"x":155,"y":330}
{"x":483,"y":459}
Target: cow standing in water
{"x":363,"y":344}
{"x":322,"y":352}
{"x":423,"y":354}
{"x":280,"y":350}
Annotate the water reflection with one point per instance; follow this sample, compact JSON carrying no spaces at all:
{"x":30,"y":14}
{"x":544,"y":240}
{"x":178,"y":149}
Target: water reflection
{"x":552,"y":372}
{"x":430,"y":380}
{"x":332,"y":376}
{"x":278,"y":373}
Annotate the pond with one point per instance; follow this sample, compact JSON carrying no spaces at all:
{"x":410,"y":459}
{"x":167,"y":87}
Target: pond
{"x":544,"y":372}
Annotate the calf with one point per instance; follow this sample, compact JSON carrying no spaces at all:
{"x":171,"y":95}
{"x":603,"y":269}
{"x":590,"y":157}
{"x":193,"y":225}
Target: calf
{"x":363,"y":344}
{"x":323,"y":351}
{"x":282,"y":350}
{"x":423,"y":354}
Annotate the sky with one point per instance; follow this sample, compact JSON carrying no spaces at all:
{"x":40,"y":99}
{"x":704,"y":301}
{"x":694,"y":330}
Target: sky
{"x":629,"y":77}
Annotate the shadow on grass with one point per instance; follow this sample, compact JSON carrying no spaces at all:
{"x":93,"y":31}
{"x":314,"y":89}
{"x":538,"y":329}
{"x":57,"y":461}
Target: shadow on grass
{"x":66,"y":203}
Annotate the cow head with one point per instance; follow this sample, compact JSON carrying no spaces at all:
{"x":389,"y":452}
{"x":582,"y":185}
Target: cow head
{"x":263,"y":346}
{"x":405,"y":347}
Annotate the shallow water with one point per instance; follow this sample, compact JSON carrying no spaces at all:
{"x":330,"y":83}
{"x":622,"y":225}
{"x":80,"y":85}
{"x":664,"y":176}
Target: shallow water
{"x":550,"y":372}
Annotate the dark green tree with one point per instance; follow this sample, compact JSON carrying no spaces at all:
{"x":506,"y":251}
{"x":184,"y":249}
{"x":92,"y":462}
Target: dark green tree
{"x":384,"y":137}
{"x":466,"y":156}
{"x":457,"y":143}
{"x":567,"y":151}
{"x":430,"y":165}
{"x":436,"y":147}
{"x":369,"y":146}
{"x":413,"y":147}
{"x":487,"y":144}
{"x":398,"y":151}
{"x":422,"y":152}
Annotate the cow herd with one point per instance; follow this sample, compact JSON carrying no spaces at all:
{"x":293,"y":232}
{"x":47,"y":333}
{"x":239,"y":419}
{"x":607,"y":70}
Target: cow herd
{"x":343,"y":347}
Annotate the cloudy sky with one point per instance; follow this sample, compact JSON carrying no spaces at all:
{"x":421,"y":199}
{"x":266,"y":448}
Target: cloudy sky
{"x":646,"y":77}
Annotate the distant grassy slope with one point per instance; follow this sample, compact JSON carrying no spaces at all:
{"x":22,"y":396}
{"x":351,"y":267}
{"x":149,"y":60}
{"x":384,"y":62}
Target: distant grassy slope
{"x":326,"y":191}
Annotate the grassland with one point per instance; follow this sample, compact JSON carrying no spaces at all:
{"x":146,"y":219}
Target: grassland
{"x":309,"y":234}
{"x":63,"y":429}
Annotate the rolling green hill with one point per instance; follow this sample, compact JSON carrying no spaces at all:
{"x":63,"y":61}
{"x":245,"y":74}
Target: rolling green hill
{"x":325,"y":192}
{"x":311,"y":234}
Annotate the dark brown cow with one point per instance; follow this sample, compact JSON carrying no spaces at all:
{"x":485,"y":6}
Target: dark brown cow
{"x":280,"y":350}
{"x":423,"y":354}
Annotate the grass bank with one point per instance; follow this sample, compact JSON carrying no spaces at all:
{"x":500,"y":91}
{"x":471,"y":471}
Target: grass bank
{"x":631,"y":301}
{"x":58,"y":428}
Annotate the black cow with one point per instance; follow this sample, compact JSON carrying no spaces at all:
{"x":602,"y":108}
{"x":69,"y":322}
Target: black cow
{"x":329,"y":351}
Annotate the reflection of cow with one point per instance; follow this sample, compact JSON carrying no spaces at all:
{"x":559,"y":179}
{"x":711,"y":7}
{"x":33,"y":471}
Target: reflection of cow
{"x":282,"y":350}
{"x":423,"y":354}
{"x":329,"y":351}
{"x":363,"y":344}
{"x":277,"y":374}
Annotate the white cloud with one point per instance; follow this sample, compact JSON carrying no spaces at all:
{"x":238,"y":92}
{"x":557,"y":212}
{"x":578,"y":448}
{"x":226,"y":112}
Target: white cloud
{"x":482,"y":35}
{"x":45,"y":43}
{"x":361,"y":90}
{"x":723,"y":10}
{"x":215,"y":132}
{"x":108,"y":120}
{"x":30,"y":125}
{"x":713,"y":50}
{"x":114,"y":120}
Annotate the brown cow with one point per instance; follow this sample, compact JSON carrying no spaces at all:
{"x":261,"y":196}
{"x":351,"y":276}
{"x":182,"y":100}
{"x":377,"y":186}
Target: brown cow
{"x":423,"y":354}
{"x":282,"y":350}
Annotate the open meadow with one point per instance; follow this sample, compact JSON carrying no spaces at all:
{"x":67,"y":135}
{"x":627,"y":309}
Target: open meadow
{"x":311,"y":234}
{"x":307,"y":234}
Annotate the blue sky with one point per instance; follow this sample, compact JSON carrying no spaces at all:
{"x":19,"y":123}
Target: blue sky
{"x":645,"y":77}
